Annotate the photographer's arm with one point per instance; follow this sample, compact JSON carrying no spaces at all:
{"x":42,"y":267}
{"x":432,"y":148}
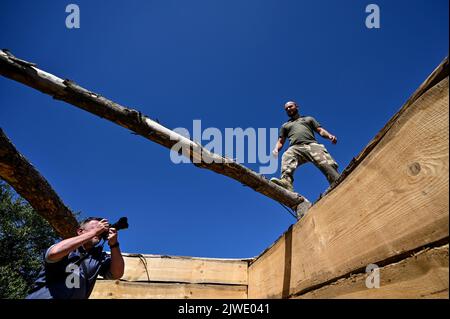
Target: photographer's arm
{"x":117,"y":263}
{"x":63,"y":248}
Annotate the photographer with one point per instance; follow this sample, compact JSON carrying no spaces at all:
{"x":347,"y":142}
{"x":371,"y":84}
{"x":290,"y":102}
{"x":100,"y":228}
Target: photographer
{"x":71,"y":266}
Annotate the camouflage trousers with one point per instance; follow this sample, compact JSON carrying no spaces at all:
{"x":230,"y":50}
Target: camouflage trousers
{"x":297,"y":155}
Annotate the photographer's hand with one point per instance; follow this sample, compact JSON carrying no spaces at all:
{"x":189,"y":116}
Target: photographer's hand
{"x":112,"y":237}
{"x":117,"y":262}
{"x":101,"y":227}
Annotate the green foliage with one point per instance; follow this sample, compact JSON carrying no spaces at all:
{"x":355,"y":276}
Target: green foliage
{"x":24,"y":237}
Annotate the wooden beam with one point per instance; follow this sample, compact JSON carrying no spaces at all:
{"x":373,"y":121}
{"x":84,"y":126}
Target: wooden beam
{"x":17,"y":171}
{"x":109,"y":289}
{"x":394,"y":201}
{"x":65,"y":90}
{"x":424,"y":276}
{"x":158,"y":268}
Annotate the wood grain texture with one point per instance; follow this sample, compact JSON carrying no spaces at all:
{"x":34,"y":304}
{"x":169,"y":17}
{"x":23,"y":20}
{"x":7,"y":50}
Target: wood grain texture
{"x":109,"y":289}
{"x":185,"y":270}
{"x":424,"y":275}
{"x":17,"y":171}
{"x":394,"y":201}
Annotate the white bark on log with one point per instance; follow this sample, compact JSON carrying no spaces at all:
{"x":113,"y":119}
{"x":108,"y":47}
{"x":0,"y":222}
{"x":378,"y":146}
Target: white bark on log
{"x":65,"y":90}
{"x":29,"y":183}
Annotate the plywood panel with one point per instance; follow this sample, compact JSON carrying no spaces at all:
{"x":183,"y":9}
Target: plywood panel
{"x":110,"y":289}
{"x":424,"y":275}
{"x":394,"y":201}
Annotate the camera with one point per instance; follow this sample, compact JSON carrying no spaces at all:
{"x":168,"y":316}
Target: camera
{"x":122,"y":223}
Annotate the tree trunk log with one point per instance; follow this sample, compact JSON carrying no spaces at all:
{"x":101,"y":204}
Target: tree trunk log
{"x":29,"y":183}
{"x":66,"y":90}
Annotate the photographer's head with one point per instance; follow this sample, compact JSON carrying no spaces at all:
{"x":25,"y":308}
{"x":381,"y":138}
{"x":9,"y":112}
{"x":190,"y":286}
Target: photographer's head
{"x":91,"y":224}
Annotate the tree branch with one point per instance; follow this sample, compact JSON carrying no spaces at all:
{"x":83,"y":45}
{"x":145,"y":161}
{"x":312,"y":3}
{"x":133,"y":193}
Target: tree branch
{"x":65,"y":90}
{"x":29,"y":183}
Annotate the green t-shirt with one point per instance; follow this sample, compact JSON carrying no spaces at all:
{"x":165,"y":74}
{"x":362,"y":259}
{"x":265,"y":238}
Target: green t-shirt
{"x":300,"y":130}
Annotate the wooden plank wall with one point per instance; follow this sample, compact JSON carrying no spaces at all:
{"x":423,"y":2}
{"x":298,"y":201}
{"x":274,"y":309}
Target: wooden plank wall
{"x":423,"y":275}
{"x":186,"y":269}
{"x":107,"y":289}
{"x":155,"y":276}
{"x":393,"y":202}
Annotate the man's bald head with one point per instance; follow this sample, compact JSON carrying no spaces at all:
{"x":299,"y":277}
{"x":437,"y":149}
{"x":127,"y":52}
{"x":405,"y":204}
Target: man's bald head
{"x":290,"y":103}
{"x":291,"y":108}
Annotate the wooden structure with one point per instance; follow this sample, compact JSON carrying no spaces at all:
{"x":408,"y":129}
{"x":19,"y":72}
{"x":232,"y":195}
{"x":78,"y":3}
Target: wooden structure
{"x":392,"y":205}
{"x":390,"y":208}
{"x":153,"y":276}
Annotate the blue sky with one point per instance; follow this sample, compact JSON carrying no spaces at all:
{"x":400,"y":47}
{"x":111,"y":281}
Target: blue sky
{"x":227,"y":63}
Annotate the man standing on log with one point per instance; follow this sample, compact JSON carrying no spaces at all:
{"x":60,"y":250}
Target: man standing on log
{"x":71,"y":266}
{"x":303,"y":147}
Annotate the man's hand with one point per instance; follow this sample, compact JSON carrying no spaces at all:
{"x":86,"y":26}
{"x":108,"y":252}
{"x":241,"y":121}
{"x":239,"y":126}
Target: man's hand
{"x":101,"y":227}
{"x":275,"y":152}
{"x":112,"y":237}
{"x":278,"y":147}
{"x":333,"y":139}
{"x":324,"y":133}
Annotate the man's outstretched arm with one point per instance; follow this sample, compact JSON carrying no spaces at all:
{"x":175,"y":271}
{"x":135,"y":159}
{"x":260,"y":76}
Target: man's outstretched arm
{"x":324,"y":133}
{"x":63,"y":248}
